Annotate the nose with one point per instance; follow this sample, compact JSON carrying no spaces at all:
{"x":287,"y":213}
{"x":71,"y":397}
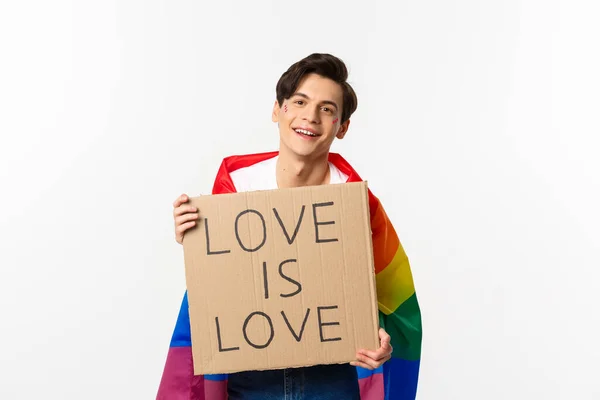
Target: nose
{"x":311,"y":114}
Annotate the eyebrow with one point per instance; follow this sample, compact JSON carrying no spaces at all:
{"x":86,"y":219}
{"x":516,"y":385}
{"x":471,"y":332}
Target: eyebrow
{"x":332,"y":103}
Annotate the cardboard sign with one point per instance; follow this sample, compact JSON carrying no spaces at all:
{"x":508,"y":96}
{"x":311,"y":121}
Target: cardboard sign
{"x":281,"y":278}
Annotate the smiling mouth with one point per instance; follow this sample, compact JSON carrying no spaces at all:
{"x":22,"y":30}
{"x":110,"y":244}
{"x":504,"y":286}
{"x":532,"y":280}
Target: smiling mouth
{"x":305,"y":132}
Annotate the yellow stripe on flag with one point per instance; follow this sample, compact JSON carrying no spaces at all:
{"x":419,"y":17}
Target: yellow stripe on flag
{"x":395,"y":283}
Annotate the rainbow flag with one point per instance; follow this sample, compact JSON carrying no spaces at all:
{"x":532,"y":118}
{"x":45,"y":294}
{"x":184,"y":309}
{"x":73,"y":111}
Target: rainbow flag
{"x":399,"y":312}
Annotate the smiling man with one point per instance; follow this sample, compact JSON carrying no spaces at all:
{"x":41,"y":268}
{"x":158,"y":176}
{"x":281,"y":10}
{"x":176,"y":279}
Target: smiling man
{"x":313,"y":106}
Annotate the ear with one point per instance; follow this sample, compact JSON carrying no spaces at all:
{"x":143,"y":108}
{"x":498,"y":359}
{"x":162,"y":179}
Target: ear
{"x":275,"y":115}
{"x":343,"y":129}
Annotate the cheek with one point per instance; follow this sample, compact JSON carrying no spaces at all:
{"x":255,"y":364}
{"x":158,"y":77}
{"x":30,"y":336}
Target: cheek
{"x":335,"y":120}
{"x":288,"y":114}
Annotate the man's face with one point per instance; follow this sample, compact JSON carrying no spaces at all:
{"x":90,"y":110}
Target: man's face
{"x":310,"y":119}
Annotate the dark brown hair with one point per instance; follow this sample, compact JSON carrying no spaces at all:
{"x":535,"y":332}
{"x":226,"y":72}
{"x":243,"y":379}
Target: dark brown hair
{"x":327,"y":66}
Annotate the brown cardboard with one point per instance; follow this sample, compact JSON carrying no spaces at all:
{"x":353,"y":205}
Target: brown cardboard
{"x":331,"y":281}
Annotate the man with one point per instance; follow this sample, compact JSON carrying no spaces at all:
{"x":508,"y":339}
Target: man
{"x":313,"y":108}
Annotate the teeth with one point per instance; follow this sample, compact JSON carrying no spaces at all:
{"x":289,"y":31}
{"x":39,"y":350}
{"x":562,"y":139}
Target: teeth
{"x":305,"y":132}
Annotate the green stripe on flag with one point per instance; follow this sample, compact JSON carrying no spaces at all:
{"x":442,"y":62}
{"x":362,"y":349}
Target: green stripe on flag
{"x":404,"y":327}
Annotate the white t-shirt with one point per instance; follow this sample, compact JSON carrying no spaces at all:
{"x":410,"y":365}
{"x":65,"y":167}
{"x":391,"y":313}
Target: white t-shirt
{"x":263,"y":176}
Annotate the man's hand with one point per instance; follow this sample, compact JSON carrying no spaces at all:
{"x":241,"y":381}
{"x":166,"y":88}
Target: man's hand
{"x":184,"y":215}
{"x":374,"y":359}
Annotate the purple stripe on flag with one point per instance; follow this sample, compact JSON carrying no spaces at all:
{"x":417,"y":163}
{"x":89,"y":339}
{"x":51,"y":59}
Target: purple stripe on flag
{"x":178,"y":381}
{"x":215,"y":389}
{"x":371,"y":388}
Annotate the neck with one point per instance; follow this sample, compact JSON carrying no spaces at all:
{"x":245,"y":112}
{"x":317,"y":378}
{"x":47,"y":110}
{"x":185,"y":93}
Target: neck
{"x":295,"y":171}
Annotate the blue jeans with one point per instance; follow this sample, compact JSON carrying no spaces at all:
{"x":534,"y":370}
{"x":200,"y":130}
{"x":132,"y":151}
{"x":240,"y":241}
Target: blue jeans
{"x":321,"y":382}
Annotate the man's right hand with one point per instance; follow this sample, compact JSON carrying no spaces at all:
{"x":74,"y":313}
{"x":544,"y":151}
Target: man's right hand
{"x":185,"y":216}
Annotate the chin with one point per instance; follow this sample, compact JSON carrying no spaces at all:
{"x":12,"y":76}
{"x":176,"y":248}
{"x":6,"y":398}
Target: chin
{"x":301,"y":149}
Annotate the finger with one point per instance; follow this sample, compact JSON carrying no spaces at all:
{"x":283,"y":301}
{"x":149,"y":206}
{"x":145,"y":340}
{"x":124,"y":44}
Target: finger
{"x":386,"y":346}
{"x":360,"y":364}
{"x":384,"y":336}
{"x":366,"y":360}
{"x":385,"y":340}
{"x":185,"y":218}
{"x":374,"y":355}
{"x":184,"y":227}
{"x":383,"y":361}
{"x":184,"y":209}
{"x":384,"y":351}
{"x":180,"y":200}
{"x":371,"y":364}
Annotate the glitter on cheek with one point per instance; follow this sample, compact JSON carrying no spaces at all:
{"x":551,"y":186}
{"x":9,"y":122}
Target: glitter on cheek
{"x":285,"y":108}
{"x":335,"y":120}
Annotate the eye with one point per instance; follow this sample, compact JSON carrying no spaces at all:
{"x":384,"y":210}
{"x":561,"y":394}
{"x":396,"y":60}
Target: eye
{"x":299,"y":102}
{"x":326,"y":109}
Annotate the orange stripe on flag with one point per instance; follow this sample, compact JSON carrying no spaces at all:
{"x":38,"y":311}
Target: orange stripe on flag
{"x":385,"y":239}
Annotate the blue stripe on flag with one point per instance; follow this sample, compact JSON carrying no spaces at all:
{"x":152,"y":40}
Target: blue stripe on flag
{"x":400,"y":379}
{"x":182,"y":336}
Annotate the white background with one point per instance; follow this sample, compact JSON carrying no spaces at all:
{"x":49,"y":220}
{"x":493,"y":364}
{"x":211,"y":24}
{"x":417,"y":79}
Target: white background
{"x":477,"y":126}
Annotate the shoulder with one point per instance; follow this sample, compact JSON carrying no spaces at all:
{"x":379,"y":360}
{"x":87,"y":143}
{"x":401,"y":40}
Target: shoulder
{"x":253,"y":171}
{"x":235,"y":162}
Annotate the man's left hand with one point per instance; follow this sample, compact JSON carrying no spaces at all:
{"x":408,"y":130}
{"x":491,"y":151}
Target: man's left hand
{"x":374,"y":359}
